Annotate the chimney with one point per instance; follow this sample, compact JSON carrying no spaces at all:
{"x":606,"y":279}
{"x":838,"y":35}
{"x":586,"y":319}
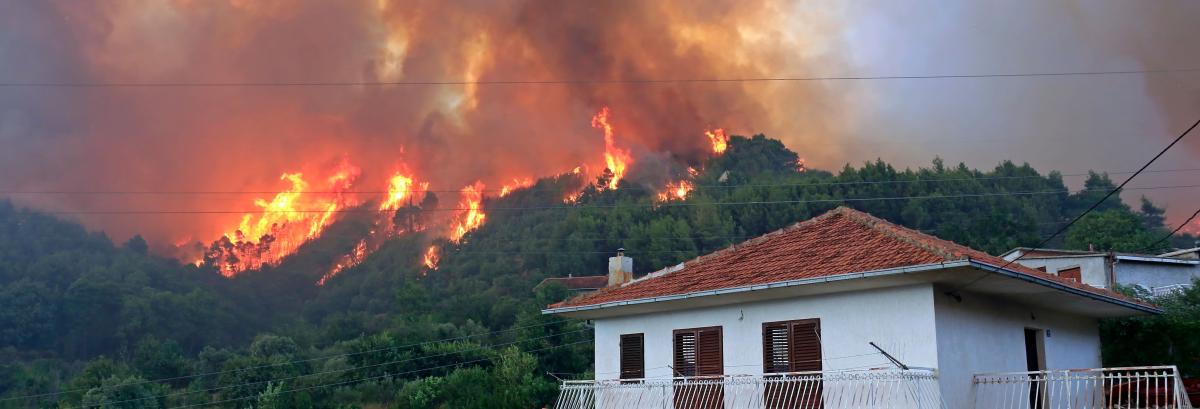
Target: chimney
{"x":620,"y":269}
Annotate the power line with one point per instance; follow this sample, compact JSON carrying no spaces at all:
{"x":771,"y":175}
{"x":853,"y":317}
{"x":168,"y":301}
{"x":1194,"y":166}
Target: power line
{"x":478,"y":348}
{"x":530,"y":189}
{"x":293,"y":362}
{"x":614,"y":206}
{"x":1172,"y":233}
{"x":1089,"y":209}
{"x":576,"y":81}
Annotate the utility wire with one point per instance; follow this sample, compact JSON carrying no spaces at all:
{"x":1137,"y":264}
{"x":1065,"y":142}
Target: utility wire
{"x":476,"y":349}
{"x":1172,"y":233}
{"x":1089,"y":209}
{"x":557,"y":190}
{"x":293,"y":362}
{"x":578,"y":81}
{"x":614,"y":206}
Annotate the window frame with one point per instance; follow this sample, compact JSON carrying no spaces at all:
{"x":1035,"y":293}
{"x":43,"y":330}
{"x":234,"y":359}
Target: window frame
{"x":697,"y":365}
{"x":623,"y":372}
{"x":792,"y":364}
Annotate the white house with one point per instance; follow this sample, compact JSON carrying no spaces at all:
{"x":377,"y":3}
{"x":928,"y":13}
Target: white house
{"x":811,"y":299}
{"x":1157,"y":274}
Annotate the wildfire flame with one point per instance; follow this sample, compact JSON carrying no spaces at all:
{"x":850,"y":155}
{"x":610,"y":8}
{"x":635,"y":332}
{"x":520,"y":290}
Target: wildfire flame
{"x":432,"y":256}
{"x":399,"y":190}
{"x":472,"y":215}
{"x":349,"y":260}
{"x":720,"y":141}
{"x":516,"y":184}
{"x":677,"y":190}
{"x":616,"y":159}
{"x":287,"y":221}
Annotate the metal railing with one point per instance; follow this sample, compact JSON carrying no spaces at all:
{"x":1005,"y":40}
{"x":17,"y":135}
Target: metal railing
{"x":1107,"y":388}
{"x":908,"y":389}
{"x":1169,"y":289}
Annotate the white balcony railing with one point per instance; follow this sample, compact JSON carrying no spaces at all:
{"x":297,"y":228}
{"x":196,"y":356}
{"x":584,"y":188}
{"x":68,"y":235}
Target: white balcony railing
{"x":1169,"y":289}
{"x":907,"y":389}
{"x":1104,"y":388}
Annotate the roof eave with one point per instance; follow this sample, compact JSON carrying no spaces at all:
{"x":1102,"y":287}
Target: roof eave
{"x":1065,"y":288}
{"x":759,"y":287}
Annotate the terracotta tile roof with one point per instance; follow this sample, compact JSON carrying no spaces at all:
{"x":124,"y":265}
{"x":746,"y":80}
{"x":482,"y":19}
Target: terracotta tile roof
{"x":841,"y":241}
{"x":578,"y":283}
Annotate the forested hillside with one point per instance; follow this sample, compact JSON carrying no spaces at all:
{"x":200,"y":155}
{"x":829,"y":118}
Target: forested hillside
{"x":112,"y":326}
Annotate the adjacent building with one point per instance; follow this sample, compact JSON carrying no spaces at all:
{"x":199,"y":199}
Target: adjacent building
{"x":1156,"y":274}
{"x":842,"y":293}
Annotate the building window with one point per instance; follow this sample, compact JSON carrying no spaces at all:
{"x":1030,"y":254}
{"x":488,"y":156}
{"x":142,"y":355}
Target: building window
{"x":698,"y":355}
{"x":1074,"y":274}
{"x":698,"y":352}
{"x":789,"y":347}
{"x":792,"y":346}
{"x":633,"y":356}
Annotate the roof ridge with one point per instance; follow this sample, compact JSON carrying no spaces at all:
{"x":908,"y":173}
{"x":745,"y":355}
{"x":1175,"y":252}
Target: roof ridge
{"x":948,"y":250}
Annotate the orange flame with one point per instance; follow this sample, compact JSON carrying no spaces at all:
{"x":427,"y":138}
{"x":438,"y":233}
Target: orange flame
{"x":287,"y":221}
{"x":432,"y":256}
{"x":616,"y":159}
{"x":572,"y":198}
{"x":516,"y":184}
{"x":399,"y":190}
{"x":677,"y":190}
{"x":720,"y":141}
{"x":472,"y":215}
{"x":350,"y":260}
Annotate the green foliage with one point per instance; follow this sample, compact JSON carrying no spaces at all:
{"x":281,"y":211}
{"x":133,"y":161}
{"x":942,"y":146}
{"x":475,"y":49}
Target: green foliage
{"x":1167,"y":339}
{"x":1115,"y":230}
{"x":124,"y":392}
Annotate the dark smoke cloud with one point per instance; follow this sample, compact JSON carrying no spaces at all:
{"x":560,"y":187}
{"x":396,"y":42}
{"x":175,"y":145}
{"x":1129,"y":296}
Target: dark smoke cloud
{"x":243,"y":138}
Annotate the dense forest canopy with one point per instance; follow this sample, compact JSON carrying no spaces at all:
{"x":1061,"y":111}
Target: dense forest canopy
{"x":111,"y":326}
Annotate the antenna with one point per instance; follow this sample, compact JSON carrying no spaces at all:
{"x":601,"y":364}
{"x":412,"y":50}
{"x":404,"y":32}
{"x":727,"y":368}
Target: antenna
{"x":889,"y":357}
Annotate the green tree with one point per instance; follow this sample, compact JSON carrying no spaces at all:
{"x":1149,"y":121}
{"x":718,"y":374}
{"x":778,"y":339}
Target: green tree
{"x":124,"y":392}
{"x":1111,"y":230}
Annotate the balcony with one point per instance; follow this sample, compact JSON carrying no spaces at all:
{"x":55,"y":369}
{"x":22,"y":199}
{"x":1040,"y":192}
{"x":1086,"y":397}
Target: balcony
{"x":1151,"y":387}
{"x":1169,"y":289}
{"x":908,"y":389}
{"x":1105,"y":388}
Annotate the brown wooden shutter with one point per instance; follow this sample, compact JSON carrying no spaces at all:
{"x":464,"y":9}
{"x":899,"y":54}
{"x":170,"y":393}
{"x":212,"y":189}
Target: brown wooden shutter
{"x":792,"y":346}
{"x":806,"y":345}
{"x":709,"y":357}
{"x":633,"y":356}
{"x":698,"y":353}
{"x":685,"y":353}
{"x":776,"y":353}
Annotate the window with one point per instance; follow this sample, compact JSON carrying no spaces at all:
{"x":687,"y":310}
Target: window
{"x":792,"y":346}
{"x":698,"y":352}
{"x":633,"y":356}
{"x":698,"y":355}
{"x":1074,"y":274}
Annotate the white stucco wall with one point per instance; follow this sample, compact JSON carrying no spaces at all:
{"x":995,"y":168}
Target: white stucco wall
{"x":983,"y":334}
{"x":1152,"y":275}
{"x":1092,"y":268}
{"x":901,"y":320}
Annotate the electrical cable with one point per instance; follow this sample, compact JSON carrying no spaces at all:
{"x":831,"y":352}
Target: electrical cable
{"x":646,"y":81}
{"x":614,"y":206}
